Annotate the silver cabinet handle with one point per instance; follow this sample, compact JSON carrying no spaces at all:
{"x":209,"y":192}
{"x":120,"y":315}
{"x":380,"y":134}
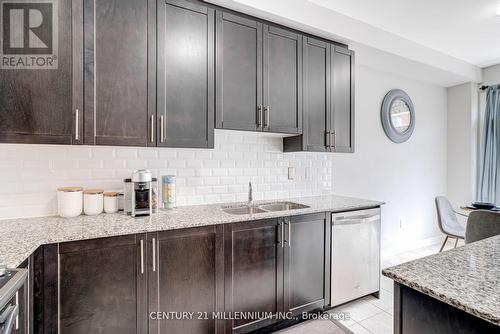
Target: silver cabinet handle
{"x":152,"y":128}
{"x":279,"y":234}
{"x":142,"y":256}
{"x":327,"y":139}
{"x":283,"y":233}
{"x":162,"y":136}
{"x":334,"y":139}
{"x":267,"y":111}
{"x":17,"y":316}
{"x":259,"y":116}
{"x":77,"y":125}
{"x":11,"y":312}
{"x":154,"y":254}
{"x":289,"y":232}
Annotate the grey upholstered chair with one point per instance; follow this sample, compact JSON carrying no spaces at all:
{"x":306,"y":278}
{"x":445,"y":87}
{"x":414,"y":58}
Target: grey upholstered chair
{"x":482,"y":224}
{"x":448,"y":222}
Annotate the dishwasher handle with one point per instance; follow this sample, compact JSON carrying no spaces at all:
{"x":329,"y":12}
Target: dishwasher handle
{"x":354,"y":220}
{"x":8,"y":319}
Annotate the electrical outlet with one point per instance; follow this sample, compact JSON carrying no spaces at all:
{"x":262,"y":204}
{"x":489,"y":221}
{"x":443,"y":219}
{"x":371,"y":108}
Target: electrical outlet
{"x":291,"y":173}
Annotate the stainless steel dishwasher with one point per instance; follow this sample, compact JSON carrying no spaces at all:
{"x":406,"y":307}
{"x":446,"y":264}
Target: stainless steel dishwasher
{"x":355,"y":255}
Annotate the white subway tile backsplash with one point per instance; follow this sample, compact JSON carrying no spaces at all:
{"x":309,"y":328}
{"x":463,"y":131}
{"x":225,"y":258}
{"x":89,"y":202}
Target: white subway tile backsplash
{"x":203,"y":176}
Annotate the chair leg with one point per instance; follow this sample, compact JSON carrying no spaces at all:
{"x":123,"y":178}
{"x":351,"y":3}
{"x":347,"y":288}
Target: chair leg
{"x":456,"y":242}
{"x":444,"y":243}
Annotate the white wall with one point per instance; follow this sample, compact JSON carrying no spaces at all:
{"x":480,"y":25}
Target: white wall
{"x":462,"y":143}
{"x":30,"y":174}
{"x":491,"y":75}
{"x":407,"y":176}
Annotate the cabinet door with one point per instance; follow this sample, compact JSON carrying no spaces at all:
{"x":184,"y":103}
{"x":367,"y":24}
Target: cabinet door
{"x":253,"y":272}
{"x":22,"y":299}
{"x":306,"y":279}
{"x":342,"y":99}
{"x":282,"y":80}
{"x":316,"y":94}
{"x":102,"y":286}
{"x":185,"y":93}
{"x":186,"y":275}
{"x":239,"y":72}
{"x":36,"y":104}
{"x":115,"y":76}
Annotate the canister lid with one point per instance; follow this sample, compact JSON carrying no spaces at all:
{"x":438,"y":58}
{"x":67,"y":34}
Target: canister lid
{"x":93,"y":191}
{"x":70,"y":189}
{"x":110,"y":194}
{"x":168,"y":178}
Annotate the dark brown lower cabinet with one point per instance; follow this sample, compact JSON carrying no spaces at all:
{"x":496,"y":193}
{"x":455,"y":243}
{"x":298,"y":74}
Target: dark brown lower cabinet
{"x":186,"y":280}
{"x":194,"y":280}
{"x":93,"y":286}
{"x":276,"y":265}
{"x":253,"y":255}
{"x":22,"y":299}
{"x":307,"y":259}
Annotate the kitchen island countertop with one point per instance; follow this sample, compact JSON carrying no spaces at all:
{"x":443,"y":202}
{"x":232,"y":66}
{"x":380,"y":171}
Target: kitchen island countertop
{"x":467,"y":278}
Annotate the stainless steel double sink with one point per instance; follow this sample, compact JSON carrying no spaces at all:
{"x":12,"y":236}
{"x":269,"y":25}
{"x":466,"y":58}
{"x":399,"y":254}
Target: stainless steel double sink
{"x":265,"y":207}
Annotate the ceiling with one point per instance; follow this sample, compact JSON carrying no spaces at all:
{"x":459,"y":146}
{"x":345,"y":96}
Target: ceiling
{"x":465,"y":29}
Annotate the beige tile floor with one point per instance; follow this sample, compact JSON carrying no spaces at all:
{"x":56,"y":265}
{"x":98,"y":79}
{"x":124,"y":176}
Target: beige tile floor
{"x":369,"y":315}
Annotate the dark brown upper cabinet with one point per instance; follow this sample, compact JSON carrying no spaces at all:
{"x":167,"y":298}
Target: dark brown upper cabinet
{"x":316,"y":99}
{"x":239,"y":72}
{"x":259,"y":76}
{"x":342,"y":101}
{"x":185,"y":74}
{"x":156,"y":72}
{"x":306,"y":262}
{"x":328,"y":92}
{"x":282,"y":76}
{"x":186,"y":275}
{"x":36,"y":105}
{"x":115,"y":39}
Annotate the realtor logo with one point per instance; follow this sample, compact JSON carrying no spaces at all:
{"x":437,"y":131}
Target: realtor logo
{"x":28,"y":34}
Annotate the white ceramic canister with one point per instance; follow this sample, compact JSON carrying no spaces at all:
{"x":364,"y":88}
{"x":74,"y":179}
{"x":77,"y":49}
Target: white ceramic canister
{"x":110,"y":202}
{"x":69,"y":201}
{"x":93,"y":201}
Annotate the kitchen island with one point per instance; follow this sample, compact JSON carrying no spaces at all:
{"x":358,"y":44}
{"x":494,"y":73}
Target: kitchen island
{"x":457,"y":291}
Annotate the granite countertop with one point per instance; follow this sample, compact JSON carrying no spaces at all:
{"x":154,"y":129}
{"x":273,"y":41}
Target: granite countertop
{"x":467,"y":277}
{"x":21,"y":237}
